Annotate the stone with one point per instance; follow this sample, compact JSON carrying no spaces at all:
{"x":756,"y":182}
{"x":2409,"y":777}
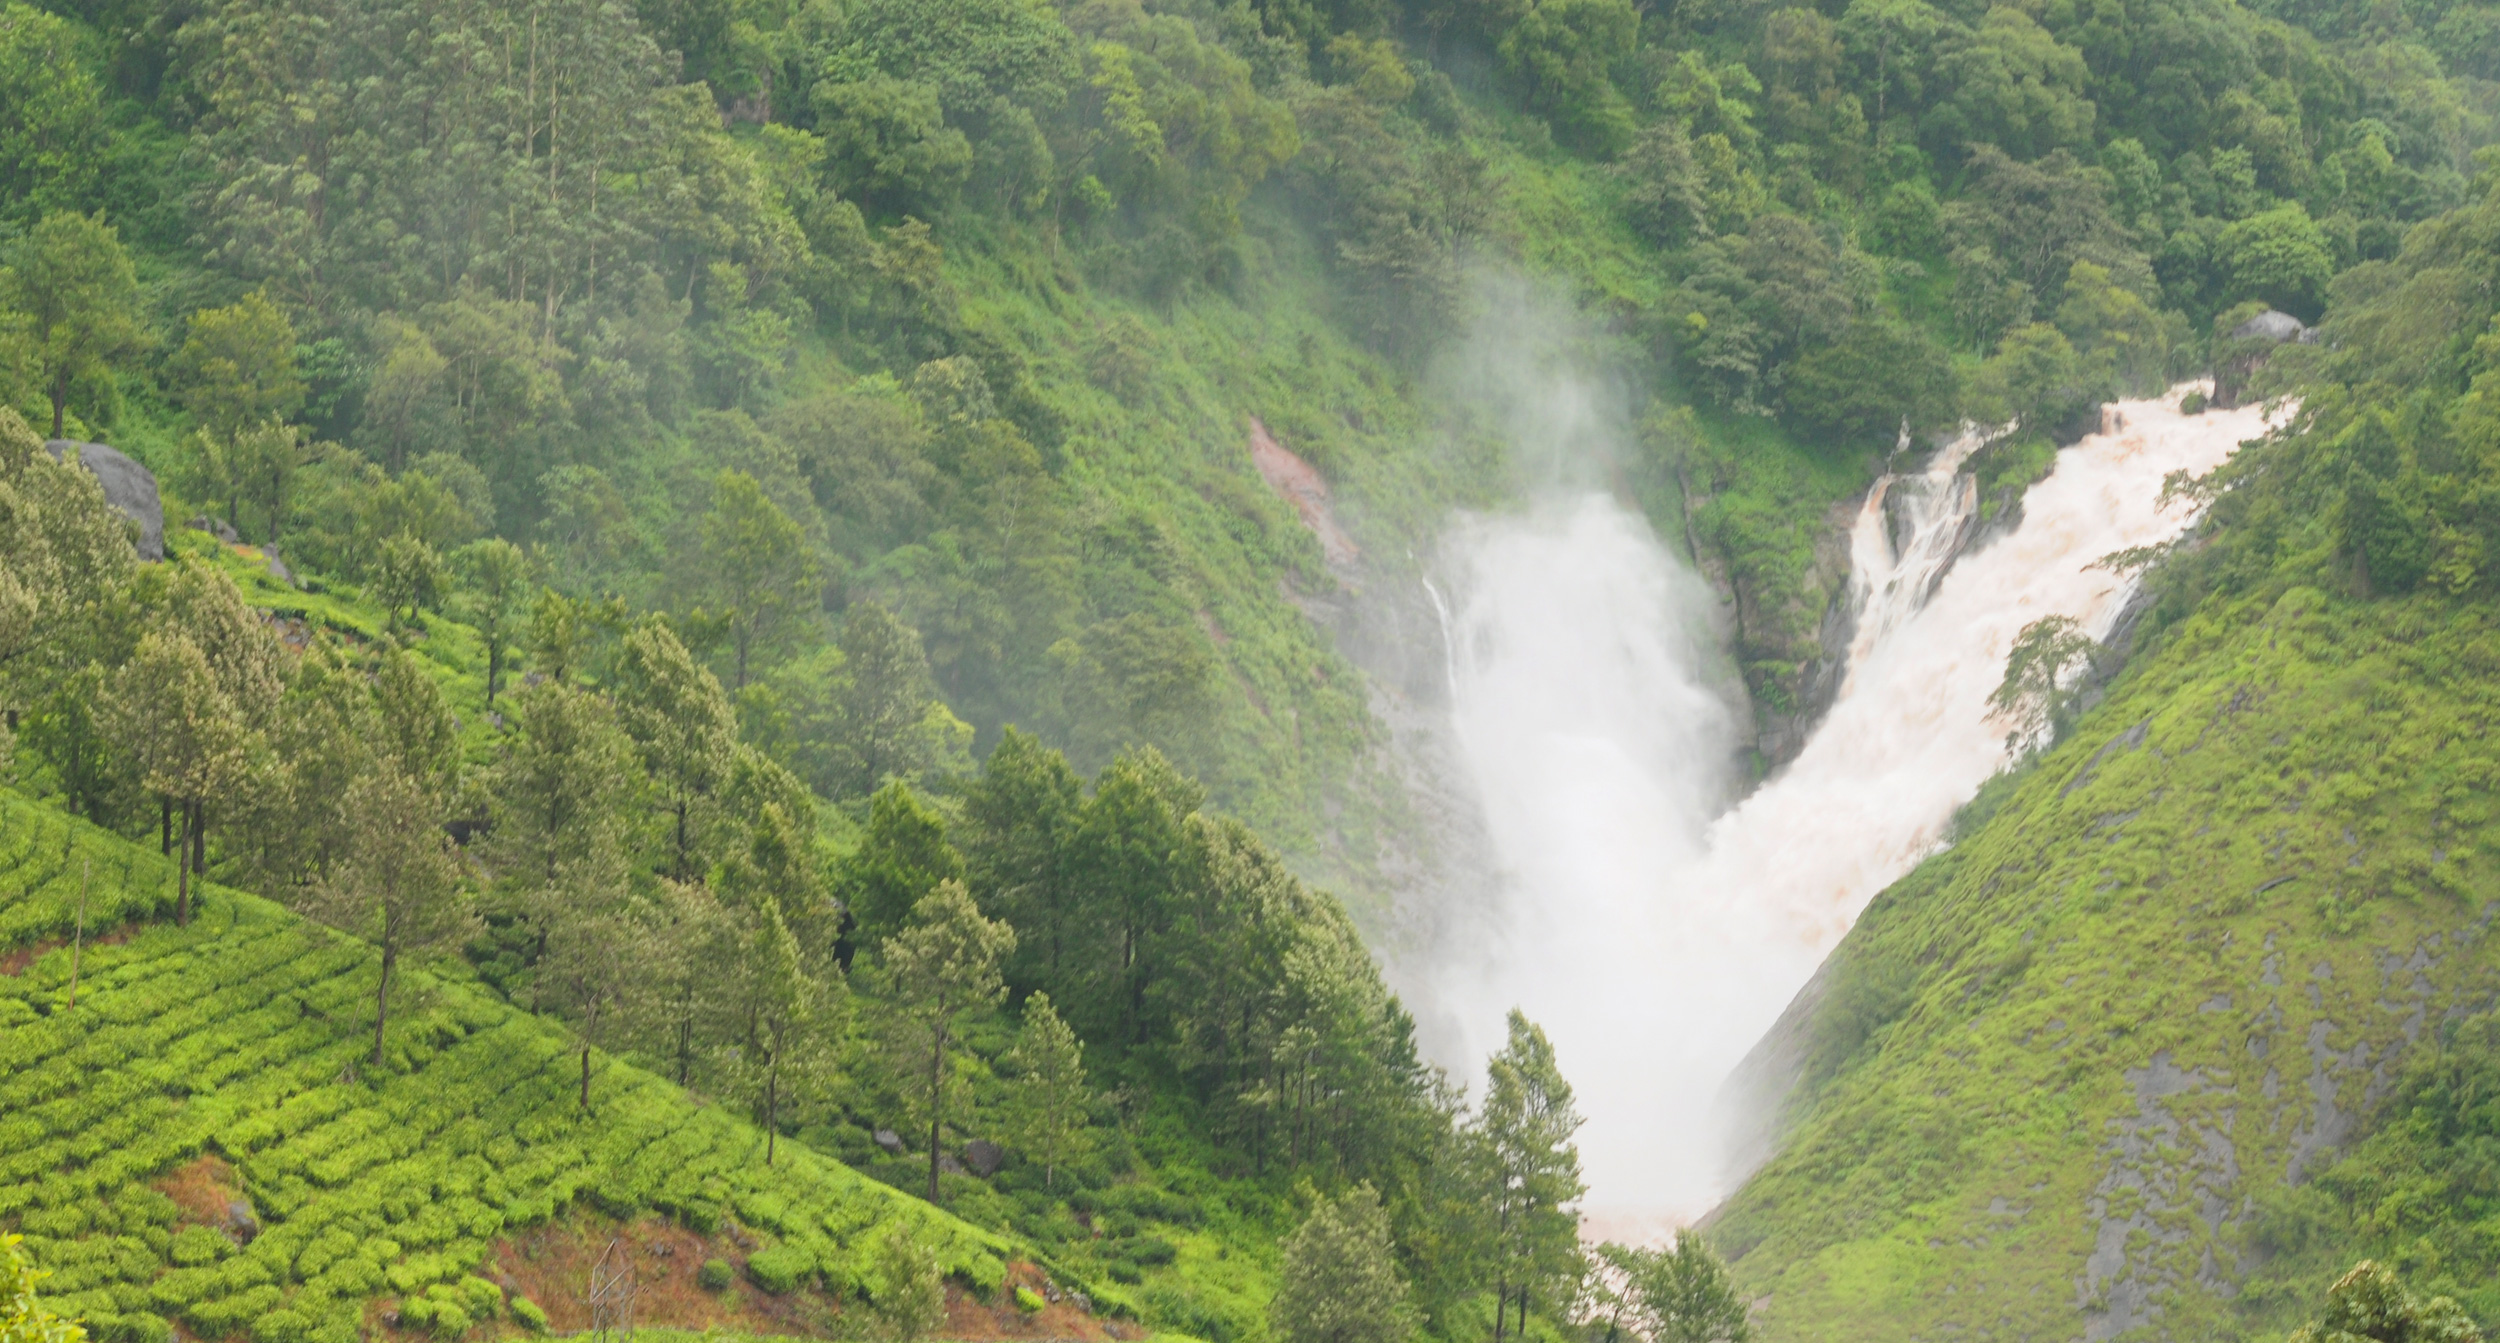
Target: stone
{"x":948,"y":1165}
{"x":240,"y":1223}
{"x":277,"y":567}
{"x":216,"y":527}
{"x":2270,"y":325}
{"x":129,"y":487}
{"x":889,"y":1140}
{"x":984,"y":1157}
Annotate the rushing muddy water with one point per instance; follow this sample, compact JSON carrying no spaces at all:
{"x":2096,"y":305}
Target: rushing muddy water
{"x":1654,"y":935}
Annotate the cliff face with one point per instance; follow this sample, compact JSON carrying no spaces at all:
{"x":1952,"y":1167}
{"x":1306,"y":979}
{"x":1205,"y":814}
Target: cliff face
{"x":2049,"y":1085}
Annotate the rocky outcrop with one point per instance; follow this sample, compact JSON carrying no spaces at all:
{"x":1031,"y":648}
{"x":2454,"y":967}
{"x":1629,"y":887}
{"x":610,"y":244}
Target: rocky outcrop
{"x":129,"y":487}
{"x":2238,"y":356}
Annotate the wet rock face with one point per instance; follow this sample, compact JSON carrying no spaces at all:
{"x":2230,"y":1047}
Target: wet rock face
{"x":2237,"y":361}
{"x":129,"y":487}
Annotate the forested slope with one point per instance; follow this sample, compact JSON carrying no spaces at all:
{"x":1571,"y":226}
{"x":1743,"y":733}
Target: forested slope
{"x":2196,"y":1010}
{"x":227,"y":1064}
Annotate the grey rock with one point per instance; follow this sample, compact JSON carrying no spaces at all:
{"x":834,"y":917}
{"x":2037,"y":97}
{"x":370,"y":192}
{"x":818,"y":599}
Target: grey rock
{"x":948,"y":1165}
{"x":240,"y":1223}
{"x":2270,"y":325}
{"x":216,"y":527}
{"x":277,"y":567}
{"x":984,"y":1157}
{"x":1082,"y":1302}
{"x":129,"y":487}
{"x":889,"y":1140}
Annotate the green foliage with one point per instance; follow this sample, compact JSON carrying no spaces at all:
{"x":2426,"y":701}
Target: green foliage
{"x":26,"y":1320}
{"x":1340,"y":1281}
{"x":71,"y":283}
{"x":780,"y":1269}
{"x":52,"y":130}
{"x":2371,"y":1303}
{"x":1675,"y":1294}
{"x":715,"y":1276}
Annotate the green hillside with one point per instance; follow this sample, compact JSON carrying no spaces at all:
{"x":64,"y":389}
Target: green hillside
{"x":2195,"y":1010}
{"x":230,"y":1057}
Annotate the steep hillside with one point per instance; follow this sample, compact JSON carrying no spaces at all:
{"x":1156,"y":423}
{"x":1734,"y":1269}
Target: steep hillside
{"x":2189,"y":1015}
{"x":199,"y":1141}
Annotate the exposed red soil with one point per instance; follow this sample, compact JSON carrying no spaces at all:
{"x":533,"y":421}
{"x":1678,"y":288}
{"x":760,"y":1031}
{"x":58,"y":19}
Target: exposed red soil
{"x":1300,"y":485}
{"x":551,"y":1265}
{"x":15,"y":962}
{"x":202,"y":1189}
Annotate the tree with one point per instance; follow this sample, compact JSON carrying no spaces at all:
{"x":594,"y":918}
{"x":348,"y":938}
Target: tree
{"x":407,"y":579}
{"x":2279,"y":257}
{"x":493,"y":598}
{"x":73,"y":283}
{"x":756,"y":567}
{"x":2370,"y":1305}
{"x":2033,"y":692}
{"x":1048,"y":1118}
{"x":680,"y":721}
{"x":1681,"y":1294}
{"x":783,"y":1008}
{"x":236,"y":368}
{"x":903,"y":857}
{"x":399,"y":885}
{"x":908,"y":1297}
{"x":887,"y":697}
{"x":416,"y":732}
{"x":182,"y":733}
{"x":1863,"y":390}
{"x":1340,"y":1281}
{"x":1532,"y":1168}
{"x":22,"y":1318}
{"x":1017,"y":821}
{"x":940,"y":966}
{"x":68,"y":553}
{"x":51,"y":114}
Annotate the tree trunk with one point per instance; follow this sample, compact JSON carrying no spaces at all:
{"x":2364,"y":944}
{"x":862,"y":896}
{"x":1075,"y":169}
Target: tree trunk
{"x":1501,"y":1307}
{"x":199,"y":838}
{"x":681,"y":838}
{"x":772,"y":1108}
{"x":585,"y":1074}
{"x":937,"y":1117}
{"x":182,"y":875}
{"x":382,"y":997}
{"x":165,"y":826}
{"x":494,"y":667}
{"x":60,"y":400}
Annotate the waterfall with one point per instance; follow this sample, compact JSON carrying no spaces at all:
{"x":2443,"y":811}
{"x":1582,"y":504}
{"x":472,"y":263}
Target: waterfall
{"x":1655,"y":938}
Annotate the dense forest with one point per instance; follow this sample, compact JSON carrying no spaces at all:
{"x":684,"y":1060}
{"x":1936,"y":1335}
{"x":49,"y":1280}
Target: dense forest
{"x":727,"y":525}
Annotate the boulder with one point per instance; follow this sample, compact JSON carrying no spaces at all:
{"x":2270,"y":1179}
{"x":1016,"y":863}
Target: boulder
{"x":216,"y":527}
{"x":2271,"y":325}
{"x":889,"y":1140}
{"x":984,"y":1157}
{"x":277,"y":567}
{"x":240,"y":1223}
{"x":948,"y":1165}
{"x":129,"y":487}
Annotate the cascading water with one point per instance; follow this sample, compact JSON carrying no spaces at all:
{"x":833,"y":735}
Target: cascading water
{"x":1654,"y":942}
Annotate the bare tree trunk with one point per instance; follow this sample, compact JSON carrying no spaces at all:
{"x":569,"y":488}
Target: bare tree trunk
{"x":382,"y":997}
{"x":937,"y":1101}
{"x":772,"y":1108}
{"x":1501,"y":1307}
{"x":182,"y":875}
{"x":585,"y":1074}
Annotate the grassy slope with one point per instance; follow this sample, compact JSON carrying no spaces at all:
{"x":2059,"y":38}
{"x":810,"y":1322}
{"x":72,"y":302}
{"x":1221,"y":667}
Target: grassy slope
{"x":2062,"y":1065}
{"x":245,"y":1036}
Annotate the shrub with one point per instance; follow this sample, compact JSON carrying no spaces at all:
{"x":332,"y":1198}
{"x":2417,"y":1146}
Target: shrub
{"x":196,"y":1245}
{"x":779,"y":1268}
{"x":483,"y":1299}
{"x":529,"y":1314}
{"x":1028,"y":1301}
{"x":715,"y":1275}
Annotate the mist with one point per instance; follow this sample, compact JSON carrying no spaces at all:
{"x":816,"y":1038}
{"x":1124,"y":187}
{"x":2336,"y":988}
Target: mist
{"x":1630,"y":903}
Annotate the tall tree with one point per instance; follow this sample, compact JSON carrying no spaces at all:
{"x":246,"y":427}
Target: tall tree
{"x":901,"y":859}
{"x":67,"y":555}
{"x":909,"y":1299}
{"x":73,"y":283}
{"x":398,"y":886}
{"x":51,"y":115}
{"x":1340,"y":1281}
{"x":886,"y":697}
{"x":757,"y":573}
{"x":1680,"y":1294}
{"x":494,"y":599}
{"x":1532,"y":1169}
{"x":1049,"y":1116}
{"x":941,"y":966}
{"x":236,"y":368}
{"x":682,"y":725}
{"x":1017,"y":820}
{"x":417,"y":733}
{"x":182,"y":734}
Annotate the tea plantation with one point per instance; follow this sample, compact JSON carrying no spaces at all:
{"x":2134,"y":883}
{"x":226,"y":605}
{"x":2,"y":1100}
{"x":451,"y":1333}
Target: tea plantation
{"x":244,"y":1037}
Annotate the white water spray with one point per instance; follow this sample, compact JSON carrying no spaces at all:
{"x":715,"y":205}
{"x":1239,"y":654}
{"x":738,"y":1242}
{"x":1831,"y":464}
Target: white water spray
{"x":1654,"y":943}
